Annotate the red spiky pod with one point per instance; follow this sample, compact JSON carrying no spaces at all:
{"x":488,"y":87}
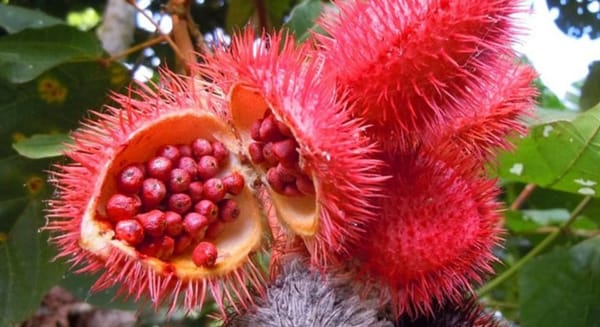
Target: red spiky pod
{"x":414,"y":66}
{"x":123,"y":206}
{"x":270,"y":82}
{"x":482,"y":133}
{"x":436,"y":232}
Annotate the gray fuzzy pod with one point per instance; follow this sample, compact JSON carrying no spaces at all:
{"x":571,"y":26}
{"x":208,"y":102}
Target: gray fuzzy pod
{"x":300,"y":297}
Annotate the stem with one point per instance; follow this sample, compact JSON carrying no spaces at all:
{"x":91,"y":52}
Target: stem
{"x":523,"y":196}
{"x":263,"y":20}
{"x":181,"y":16}
{"x":183,"y":40}
{"x":535,"y":251}
{"x":137,"y":48}
{"x":166,"y":37}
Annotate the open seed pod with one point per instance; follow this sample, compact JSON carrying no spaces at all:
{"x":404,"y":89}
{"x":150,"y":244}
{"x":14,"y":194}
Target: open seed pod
{"x":319,"y":168}
{"x":165,"y":195}
{"x":158,"y":199}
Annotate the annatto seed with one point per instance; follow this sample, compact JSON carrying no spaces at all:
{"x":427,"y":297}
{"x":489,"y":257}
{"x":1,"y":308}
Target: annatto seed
{"x":275,"y":180}
{"x":255,"y":130}
{"x":130,"y":231}
{"x":208,"y":167}
{"x":234,"y":183}
{"x":195,"y":225}
{"x":256,"y":153}
{"x":268,"y":130}
{"x":121,"y":207}
{"x":195,"y":191}
{"x":286,"y":175}
{"x":180,"y":203}
{"x":269,"y":155}
{"x":159,"y":168}
{"x":182,"y":243}
{"x":208,"y":209}
{"x":153,"y":192}
{"x":166,"y":247}
{"x":291,"y":190}
{"x":179,"y":180}
{"x":130,"y":179}
{"x":285,"y":151}
{"x":185,"y":150}
{"x":214,"y":190}
{"x":305,"y":185}
{"x":201,"y":147}
{"x":170,"y":152}
{"x":174,"y":223}
{"x":188,"y":164}
{"x":205,"y":254}
{"x":149,"y":247}
{"x":228,"y":210}
{"x":153,"y":222}
{"x":283,"y":129}
{"x":220,"y":152}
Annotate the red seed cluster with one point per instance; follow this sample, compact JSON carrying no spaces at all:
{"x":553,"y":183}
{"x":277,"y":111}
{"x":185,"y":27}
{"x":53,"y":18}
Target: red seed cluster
{"x":276,"y":149}
{"x":175,"y":202}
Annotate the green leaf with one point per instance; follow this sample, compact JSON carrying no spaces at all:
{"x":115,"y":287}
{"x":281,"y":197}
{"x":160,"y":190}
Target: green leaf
{"x":516,"y":222}
{"x":42,"y":145}
{"x":276,"y":10}
{"x":15,"y":19}
{"x":29,"y":53}
{"x":303,"y":17}
{"x":36,"y":108}
{"x":26,"y":268}
{"x":238,"y":14}
{"x":562,"y":288}
{"x":561,"y":155}
{"x":21,"y":179}
{"x":590,"y":91}
{"x":530,"y":219}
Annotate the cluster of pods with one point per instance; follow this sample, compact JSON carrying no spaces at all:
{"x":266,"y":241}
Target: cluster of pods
{"x":366,"y":146}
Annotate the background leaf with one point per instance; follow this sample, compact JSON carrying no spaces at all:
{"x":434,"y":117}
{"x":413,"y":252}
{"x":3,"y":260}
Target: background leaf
{"x":238,"y":13}
{"x":41,"y":146}
{"x":22,"y":181}
{"x":29,"y":108}
{"x":26,"y":268}
{"x":276,"y":9}
{"x":29,"y":53}
{"x":562,"y":288}
{"x":561,"y":155}
{"x":590,"y":91}
{"x":303,"y":17}
{"x":15,"y":19}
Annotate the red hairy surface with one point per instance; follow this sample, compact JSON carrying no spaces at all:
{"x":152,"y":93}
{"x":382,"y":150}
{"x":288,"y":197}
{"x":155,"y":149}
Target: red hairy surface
{"x":435,"y":234}
{"x":413,"y":66}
